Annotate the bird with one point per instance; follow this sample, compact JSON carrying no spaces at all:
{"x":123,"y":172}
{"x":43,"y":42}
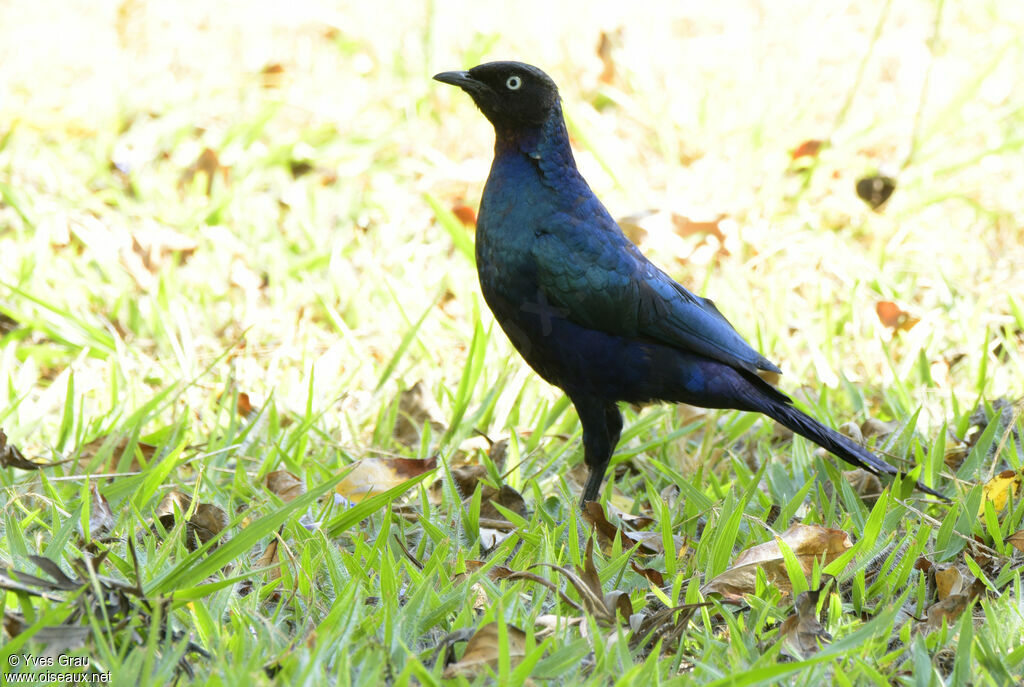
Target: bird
{"x":580,"y":302}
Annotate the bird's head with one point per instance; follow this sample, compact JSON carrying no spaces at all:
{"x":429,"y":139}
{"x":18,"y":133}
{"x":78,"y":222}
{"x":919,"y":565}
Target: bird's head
{"x":512,"y":95}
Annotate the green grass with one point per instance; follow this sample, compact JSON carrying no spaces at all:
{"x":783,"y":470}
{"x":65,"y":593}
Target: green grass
{"x":165,"y":326}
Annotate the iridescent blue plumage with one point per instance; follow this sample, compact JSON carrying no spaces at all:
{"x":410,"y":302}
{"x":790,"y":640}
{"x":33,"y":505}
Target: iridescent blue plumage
{"x":580,"y":302}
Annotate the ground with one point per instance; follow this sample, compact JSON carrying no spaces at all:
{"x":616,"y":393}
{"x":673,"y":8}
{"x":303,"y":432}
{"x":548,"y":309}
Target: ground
{"x":236,"y":261}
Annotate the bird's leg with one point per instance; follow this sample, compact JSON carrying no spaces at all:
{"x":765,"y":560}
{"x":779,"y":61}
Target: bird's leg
{"x":602,"y":426}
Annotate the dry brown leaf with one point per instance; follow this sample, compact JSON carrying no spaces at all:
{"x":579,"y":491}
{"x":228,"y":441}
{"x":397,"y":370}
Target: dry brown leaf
{"x":172,"y":501}
{"x":955,"y":454}
{"x":632,"y":227}
{"x":497,"y":572}
{"x":873,"y":427}
{"x":269,"y":558}
{"x":892,"y":316}
{"x":650,"y":574}
{"x":483,"y":650}
{"x":206,"y":522}
{"x":551,"y":623}
{"x":1016,"y":540}
{"x":101,"y":518}
{"x":208,"y":163}
{"x":272,"y":75}
{"x":498,"y":452}
{"x":807,"y":542}
{"x":808,"y":148}
{"x":155,"y":244}
{"x":416,"y":408}
{"x":947,"y":610}
{"x":949,"y":580}
{"x":88,"y":451}
{"x":11,"y":457}
{"x":506,"y":497}
{"x":666,"y":624}
{"x":375,"y":475}
{"x":209,"y":520}
{"x":466,"y":478}
{"x":865,"y":484}
{"x":685,"y":226}
{"x":244,"y":405}
{"x":670,"y":495}
{"x":605,"y":45}
{"x":587,"y":583}
{"x":594,"y":513}
{"x":465,"y":214}
{"x":802,"y":632}
{"x":285,"y":485}
{"x":852,"y":430}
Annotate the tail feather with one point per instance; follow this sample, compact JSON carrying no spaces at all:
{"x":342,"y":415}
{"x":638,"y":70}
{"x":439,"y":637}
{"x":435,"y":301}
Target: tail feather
{"x":853,"y":453}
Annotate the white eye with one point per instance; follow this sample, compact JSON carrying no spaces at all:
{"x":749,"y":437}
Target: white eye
{"x":513,"y":83}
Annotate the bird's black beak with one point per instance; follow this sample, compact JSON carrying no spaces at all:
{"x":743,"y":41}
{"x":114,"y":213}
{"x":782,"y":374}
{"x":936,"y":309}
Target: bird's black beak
{"x":461,"y":79}
{"x":454,"y":78}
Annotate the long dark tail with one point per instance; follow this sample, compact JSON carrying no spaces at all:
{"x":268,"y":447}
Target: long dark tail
{"x":778,"y":406}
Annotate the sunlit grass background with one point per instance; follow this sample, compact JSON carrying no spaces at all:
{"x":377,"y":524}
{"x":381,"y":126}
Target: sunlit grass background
{"x":301,"y":262}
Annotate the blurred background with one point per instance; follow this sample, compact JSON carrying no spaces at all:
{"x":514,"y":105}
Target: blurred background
{"x":269,"y":198}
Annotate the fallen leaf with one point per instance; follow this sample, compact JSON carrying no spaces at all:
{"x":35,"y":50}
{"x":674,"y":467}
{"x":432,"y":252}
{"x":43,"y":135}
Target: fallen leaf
{"x":948,"y":581}
{"x":270,"y":559}
{"x":208,"y":163}
{"x":285,"y":485}
{"x":415,"y":409}
{"x":807,"y":542}
{"x":594,"y":513}
{"x":272,"y":75}
{"x":865,"y":484}
{"x":685,"y":226}
{"x":465,"y":213}
{"x":605,"y":47}
{"x":873,"y":427}
{"x":101,"y":518}
{"x":466,"y":477}
{"x":551,"y":623}
{"x":653,"y":576}
{"x":209,"y":520}
{"x":495,"y":572}
{"x":632,"y":226}
{"x":11,"y":457}
{"x":802,"y":633}
{"x":998,"y":490}
{"x":955,"y":454}
{"x":945,"y":611}
{"x":808,"y":148}
{"x":155,"y":243}
{"x":665,"y":624}
{"x":173,"y":501}
{"x":244,"y":406}
{"x":375,"y":475}
{"x":892,"y":316}
{"x":1017,"y":540}
{"x":506,"y":497}
{"x":118,"y":445}
{"x":484,"y":648}
{"x":587,"y":583}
